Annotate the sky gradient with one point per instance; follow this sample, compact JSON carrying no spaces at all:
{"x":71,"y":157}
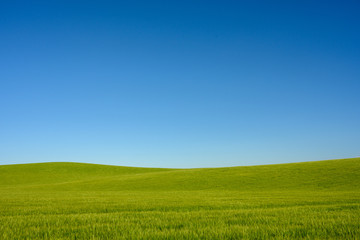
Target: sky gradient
{"x":179,"y":84}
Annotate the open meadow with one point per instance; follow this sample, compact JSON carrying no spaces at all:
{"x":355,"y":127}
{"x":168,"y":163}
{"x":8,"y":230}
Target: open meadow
{"x":311,"y":200}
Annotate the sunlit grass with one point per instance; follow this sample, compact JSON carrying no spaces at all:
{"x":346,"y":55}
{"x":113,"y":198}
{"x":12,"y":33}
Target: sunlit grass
{"x":318,"y":200}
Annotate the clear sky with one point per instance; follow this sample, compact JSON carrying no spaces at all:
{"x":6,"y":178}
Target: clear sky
{"x":179,"y":83}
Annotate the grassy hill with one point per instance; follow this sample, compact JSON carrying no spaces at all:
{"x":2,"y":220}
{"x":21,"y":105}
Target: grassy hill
{"x":310,"y":200}
{"x":321,"y":175}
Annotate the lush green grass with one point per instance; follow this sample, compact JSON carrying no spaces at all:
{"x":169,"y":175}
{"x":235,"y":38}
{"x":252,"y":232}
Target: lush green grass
{"x":314,"y":200}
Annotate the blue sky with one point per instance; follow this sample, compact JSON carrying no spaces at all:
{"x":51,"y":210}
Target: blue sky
{"x":179,"y":83}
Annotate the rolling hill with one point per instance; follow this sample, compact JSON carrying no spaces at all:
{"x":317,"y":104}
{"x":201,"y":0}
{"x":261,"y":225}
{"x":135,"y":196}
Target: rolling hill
{"x":341,"y":174}
{"x":309,"y":200}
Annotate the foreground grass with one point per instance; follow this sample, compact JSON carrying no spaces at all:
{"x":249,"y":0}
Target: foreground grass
{"x":319,"y":200}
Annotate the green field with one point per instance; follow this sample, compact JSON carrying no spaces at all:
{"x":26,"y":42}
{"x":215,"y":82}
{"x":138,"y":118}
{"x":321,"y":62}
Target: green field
{"x":312,"y":200}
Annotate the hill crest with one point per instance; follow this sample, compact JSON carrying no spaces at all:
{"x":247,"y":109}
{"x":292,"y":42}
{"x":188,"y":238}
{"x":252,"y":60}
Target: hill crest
{"x":340,"y":174}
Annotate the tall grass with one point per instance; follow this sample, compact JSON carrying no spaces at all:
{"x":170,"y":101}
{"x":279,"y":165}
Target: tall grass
{"x":316,"y":200}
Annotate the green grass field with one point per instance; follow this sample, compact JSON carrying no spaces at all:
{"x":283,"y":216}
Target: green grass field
{"x":312,"y":200}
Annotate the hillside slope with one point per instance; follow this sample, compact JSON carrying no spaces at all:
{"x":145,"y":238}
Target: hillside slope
{"x":333,"y":175}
